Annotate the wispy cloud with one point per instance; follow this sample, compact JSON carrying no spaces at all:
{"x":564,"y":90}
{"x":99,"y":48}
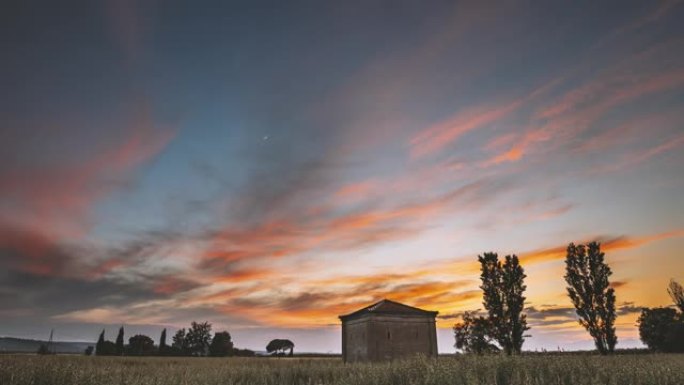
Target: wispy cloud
{"x":55,"y":199}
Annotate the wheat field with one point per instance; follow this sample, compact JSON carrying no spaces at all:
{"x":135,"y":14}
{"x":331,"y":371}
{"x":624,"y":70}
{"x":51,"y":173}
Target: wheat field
{"x":534,"y":369}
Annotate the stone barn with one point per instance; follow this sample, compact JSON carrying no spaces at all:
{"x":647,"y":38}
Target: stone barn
{"x":388,"y":330}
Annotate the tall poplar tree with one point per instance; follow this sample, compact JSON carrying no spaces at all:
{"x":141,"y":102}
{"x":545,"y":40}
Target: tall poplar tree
{"x":586,"y":274}
{"x":502,"y":292}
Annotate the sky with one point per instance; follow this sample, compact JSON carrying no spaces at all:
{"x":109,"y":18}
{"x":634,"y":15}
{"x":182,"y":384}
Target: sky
{"x":269,"y":166}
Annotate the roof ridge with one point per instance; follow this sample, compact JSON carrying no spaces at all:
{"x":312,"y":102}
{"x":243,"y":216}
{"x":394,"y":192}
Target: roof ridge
{"x":388,"y":306}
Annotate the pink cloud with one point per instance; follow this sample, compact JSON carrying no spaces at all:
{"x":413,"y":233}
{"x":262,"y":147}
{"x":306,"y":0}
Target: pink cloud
{"x":440,"y":135}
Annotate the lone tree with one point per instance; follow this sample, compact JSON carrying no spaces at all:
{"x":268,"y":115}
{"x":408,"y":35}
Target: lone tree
{"x":279,"y":347}
{"x":677,"y":294}
{"x":221,"y":345}
{"x":473,"y":335}
{"x":586,"y":274}
{"x":503,"y":288}
{"x":120,"y":342}
{"x":198,"y":338}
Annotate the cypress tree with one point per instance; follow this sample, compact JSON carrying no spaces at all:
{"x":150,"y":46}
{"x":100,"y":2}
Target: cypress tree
{"x":162,"y":342}
{"x":120,"y":342}
{"x":99,"y":346}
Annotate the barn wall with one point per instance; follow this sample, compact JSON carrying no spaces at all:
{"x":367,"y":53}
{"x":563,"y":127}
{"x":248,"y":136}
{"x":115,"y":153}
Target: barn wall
{"x":355,"y":340}
{"x":395,"y":336}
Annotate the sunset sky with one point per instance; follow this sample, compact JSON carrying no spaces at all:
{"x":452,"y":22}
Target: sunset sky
{"x":268,"y":166}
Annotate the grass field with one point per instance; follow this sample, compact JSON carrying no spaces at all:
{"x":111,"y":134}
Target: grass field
{"x":541,"y":370}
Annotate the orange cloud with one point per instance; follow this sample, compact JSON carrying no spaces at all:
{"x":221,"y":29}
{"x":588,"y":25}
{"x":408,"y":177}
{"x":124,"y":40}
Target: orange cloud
{"x":356,"y":191}
{"x":435,"y":138}
{"x":52,"y":203}
{"x":56,"y":199}
{"x":105,"y":267}
{"x":245,"y":275}
{"x":32,"y":252}
{"x":631,"y":130}
{"x":173,"y":285}
{"x":332,"y":231}
{"x":575,"y":111}
{"x":611,"y":244}
{"x":641,"y":157}
{"x":317,"y":308}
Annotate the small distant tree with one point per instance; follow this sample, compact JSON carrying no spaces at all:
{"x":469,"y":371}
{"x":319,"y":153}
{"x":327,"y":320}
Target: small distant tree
{"x":140,"y":345}
{"x":163,"y":348}
{"x":221,"y":345}
{"x":473,"y":335}
{"x":677,"y":294}
{"x":279,"y":347}
{"x":502,"y":291}
{"x":586,"y":274}
{"x":88,"y":351}
{"x":243,"y":352}
{"x":120,"y":342}
{"x":179,"y":346}
{"x":198,"y":338}
{"x":657,"y":326}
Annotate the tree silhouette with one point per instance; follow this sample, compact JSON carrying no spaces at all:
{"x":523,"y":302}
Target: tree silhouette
{"x":677,"y":294}
{"x":99,"y":346}
{"x":243,"y":352}
{"x":503,"y":288}
{"x":140,"y":345}
{"x":221,"y":345}
{"x":589,"y":289}
{"x":104,"y":347}
{"x":120,"y":342}
{"x":198,"y":338}
{"x":473,"y":335}
{"x":162,"y":343}
{"x":662,"y":329}
{"x":88,"y":351}
{"x":655,"y":325}
{"x":180,"y":343}
{"x":279,"y":346}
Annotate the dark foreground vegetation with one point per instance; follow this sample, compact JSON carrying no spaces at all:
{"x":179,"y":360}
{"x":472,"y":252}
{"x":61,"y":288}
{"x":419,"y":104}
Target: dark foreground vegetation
{"x":652,"y":369}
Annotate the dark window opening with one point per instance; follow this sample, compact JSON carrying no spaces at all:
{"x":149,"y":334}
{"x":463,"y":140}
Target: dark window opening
{"x":388,"y":334}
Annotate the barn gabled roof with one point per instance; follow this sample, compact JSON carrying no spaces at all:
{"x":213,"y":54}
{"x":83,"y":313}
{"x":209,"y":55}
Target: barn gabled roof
{"x":387,"y":306}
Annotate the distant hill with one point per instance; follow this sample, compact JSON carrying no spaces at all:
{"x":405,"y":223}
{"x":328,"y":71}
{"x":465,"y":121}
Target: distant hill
{"x":21,"y":345}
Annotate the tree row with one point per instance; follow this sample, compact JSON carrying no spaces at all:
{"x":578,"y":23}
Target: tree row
{"x":587,"y":275}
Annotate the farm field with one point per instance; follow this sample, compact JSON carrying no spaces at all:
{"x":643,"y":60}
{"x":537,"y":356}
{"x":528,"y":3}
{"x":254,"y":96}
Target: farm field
{"x":540,"y":370}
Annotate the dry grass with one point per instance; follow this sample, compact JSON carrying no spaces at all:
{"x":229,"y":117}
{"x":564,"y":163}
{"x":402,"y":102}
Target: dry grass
{"x":541,"y":370}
